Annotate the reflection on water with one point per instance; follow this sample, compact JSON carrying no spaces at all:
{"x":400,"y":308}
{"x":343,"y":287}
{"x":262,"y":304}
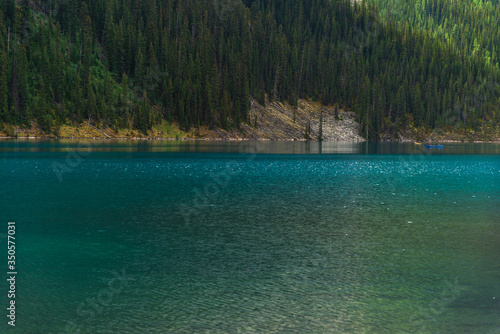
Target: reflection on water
{"x":266,"y":147}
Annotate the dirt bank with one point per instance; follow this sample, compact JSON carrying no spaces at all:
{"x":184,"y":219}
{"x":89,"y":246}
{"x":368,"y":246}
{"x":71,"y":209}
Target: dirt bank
{"x":275,"y":121}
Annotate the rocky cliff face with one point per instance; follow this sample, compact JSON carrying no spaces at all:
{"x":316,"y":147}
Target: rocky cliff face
{"x":281,"y":121}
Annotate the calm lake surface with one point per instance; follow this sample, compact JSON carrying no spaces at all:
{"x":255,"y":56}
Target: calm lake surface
{"x":251,"y":237}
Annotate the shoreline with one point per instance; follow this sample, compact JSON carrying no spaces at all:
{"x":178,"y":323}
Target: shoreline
{"x":276,"y":121}
{"x":245,"y":139}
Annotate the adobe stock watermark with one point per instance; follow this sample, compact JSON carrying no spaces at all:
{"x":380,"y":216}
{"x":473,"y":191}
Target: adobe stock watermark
{"x":73,"y":160}
{"x":363,"y":36}
{"x":421,"y":320}
{"x":225,"y":6}
{"x":88,"y":310}
{"x":207,"y":195}
{"x":414,"y":162}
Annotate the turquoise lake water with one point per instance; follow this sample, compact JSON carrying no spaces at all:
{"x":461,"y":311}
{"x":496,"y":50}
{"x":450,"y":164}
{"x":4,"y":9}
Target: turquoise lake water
{"x":271,"y":237}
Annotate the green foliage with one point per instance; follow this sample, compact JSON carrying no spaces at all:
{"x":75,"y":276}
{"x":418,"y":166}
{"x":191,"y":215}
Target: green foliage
{"x":135,"y":62}
{"x":471,"y":26}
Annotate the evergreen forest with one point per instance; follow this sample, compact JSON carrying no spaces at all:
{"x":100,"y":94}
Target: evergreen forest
{"x":137,"y":63}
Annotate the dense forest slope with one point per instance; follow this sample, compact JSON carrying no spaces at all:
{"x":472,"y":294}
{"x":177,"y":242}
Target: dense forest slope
{"x":472,"y":26}
{"x":138,"y":63}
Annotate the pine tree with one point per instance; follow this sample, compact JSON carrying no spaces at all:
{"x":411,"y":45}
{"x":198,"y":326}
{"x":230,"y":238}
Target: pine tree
{"x":320,"y":135}
{"x":87,"y":39}
{"x":4,"y":75}
{"x":91,"y":101}
{"x":4,"y":93}
{"x":140,"y":72}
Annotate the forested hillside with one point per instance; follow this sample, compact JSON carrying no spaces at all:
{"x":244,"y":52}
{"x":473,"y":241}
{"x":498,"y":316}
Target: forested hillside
{"x":134,"y":63}
{"x":472,"y":26}
{"x":471,"y":29}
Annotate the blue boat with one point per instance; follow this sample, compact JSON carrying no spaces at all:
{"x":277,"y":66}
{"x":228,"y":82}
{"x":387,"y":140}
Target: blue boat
{"x":435,"y":146}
